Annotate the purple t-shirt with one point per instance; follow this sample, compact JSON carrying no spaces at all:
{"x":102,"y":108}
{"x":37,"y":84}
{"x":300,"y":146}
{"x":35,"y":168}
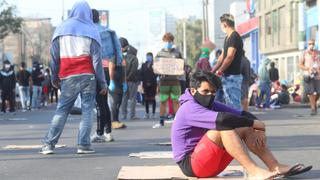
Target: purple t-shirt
{"x":191,"y":122}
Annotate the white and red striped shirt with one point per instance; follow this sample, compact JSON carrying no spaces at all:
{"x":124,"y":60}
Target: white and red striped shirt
{"x":75,"y":56}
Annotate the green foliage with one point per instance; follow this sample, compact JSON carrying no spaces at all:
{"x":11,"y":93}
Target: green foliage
{"x":9,"y":22}
{"x":193,"y":38}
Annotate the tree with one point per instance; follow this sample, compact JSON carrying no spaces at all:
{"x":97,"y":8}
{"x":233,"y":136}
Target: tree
{"x":9,"y":22}
{"x":193,"y":38}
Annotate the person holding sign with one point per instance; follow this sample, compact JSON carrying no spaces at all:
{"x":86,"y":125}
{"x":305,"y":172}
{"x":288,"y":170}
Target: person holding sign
{"x":169,"y":84}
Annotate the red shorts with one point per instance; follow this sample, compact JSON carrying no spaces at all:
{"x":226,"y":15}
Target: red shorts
{"x":208,"y":159}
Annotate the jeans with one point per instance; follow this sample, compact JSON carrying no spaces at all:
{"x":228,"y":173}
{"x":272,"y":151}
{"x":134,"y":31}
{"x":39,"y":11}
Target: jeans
{"x":265,"y":90}
{"x":84,"y":85}
{"x":36,"y":96}
{"x":129,"y":96}
{"x":114,"y":101}
{"x":231,"y":85}
{"x":24,"y":93}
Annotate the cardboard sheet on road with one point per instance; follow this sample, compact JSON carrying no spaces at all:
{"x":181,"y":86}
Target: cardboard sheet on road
{"x":153,"y":155}
{"x":172,"y":172}
{"x":30,"y":146}
{"x":161,"y":143}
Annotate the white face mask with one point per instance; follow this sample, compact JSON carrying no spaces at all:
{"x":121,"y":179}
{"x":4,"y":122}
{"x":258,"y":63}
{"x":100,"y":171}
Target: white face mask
{"x":7,"y":66}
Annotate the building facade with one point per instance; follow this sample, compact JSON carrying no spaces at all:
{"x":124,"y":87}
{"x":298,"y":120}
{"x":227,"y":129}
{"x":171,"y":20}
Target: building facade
{"x":312,"y":22}
{"x":279,"y":35}
{"x":32,"y":44}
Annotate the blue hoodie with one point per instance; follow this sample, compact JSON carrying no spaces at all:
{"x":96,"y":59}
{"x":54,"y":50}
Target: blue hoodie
{"x":79,"y":23}
{"x":192,"y":121}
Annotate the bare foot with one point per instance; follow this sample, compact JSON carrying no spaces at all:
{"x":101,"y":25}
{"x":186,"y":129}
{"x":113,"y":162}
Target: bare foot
{"x":260,"y":174}
{"x":281,"y":168}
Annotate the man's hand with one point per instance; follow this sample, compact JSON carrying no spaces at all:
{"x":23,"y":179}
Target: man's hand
{"x":103,"y":92}
{"x":124,"y":87}
{"x":112,"y":86}
{"x":258,"y":125}
{"x":56,"y":84}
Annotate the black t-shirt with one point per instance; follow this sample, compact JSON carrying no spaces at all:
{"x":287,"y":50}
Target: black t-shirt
{"x":23,"y":77}
{"x":234,"y":41}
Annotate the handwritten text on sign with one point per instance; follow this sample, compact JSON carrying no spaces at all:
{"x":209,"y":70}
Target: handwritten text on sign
{"x":168,"y":66}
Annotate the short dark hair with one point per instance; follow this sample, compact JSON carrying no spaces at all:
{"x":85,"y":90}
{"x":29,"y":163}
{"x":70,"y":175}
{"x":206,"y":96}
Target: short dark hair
{"x":168,"y":37}
{"x":95,"y":15}
{"x":149,"y":54}
{"x":200,"y":76}
{"x":218,"y":52}
{"x":123,"y":42}
{"x":228,"y":19}
{"x":23,"y":64}
{"x":272,"y":64}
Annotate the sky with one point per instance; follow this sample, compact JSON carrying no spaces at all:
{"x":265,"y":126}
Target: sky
{"x":127,"y":17}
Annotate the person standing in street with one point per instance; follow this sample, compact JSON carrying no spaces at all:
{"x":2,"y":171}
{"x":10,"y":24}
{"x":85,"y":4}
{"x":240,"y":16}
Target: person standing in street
{"x":263,"y":100}
{"x":149,"y":84}
{"x":227,"y":66}
{"x":24,"y":79}
{"x":246,"y":74}
{"x":37,"y":78}
{"x":111,"y":53}
{"x":169,"y":84}
{"x":310,"y":65}
{"x":76,"y":64}
{"x":7,"y":87}
{"x":132,"y":63}
{"x":273,"y":73}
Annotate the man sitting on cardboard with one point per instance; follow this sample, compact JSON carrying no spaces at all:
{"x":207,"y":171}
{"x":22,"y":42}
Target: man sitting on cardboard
{"x":207,"y":135}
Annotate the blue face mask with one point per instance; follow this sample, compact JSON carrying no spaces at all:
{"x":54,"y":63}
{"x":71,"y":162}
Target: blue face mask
{"x":168,"y":45}
{"x":149,"y":58}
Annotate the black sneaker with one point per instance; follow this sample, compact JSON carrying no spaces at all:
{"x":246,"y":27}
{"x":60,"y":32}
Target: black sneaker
{"x":313,"y":112}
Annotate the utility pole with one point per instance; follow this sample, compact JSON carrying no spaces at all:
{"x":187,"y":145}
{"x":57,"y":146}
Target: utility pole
{"x":204,"y":20}
{"x":62,"y":17}
{"x":184,"y":40}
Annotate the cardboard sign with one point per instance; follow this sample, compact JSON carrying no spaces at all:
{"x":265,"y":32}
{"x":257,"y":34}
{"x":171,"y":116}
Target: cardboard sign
{"x":168,"y":66}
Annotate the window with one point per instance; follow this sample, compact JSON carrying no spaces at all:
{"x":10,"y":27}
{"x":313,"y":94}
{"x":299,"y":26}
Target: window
{"x":282,"y":26}
{"x":290,"y":69}
{"x":275,"y":26}
{"x":268,"y":30}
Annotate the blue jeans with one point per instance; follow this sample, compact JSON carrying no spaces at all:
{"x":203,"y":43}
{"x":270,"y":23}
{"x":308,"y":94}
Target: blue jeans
{"x":36,"y":96}
{"x":24,"y":93}
{"x":265,"y":90}
{"x":231,"y":85}
{"x":84,"y":85}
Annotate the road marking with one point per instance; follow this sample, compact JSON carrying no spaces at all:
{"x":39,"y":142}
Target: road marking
{"x":30,"y":146}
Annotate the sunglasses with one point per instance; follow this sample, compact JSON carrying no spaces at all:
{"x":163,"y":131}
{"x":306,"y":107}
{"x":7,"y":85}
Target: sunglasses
{"x":311,"y":43}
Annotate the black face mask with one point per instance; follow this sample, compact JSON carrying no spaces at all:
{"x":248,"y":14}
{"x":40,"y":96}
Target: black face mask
{"x":204,"y":100}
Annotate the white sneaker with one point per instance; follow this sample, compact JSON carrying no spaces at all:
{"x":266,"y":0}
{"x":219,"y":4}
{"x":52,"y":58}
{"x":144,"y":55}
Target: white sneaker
{"x":108,"y":137}
{"x":157,"y":126}
{"x":97,"y":138}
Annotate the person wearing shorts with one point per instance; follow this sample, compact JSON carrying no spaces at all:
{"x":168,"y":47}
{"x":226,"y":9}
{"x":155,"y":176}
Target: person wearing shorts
{"x":169,"y":85}
{"x":207,"y":135}
{"x":310,"y":64}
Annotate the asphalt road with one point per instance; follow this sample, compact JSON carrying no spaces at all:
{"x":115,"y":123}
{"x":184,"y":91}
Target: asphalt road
{"x":294,"y":137}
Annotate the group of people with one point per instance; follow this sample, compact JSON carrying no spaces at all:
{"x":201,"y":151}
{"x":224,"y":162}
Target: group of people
{"x":34,"y":87}
{"x":206,"y":135}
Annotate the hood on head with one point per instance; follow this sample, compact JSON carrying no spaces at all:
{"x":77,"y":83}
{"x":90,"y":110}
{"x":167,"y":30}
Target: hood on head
{"x":81,"y":11}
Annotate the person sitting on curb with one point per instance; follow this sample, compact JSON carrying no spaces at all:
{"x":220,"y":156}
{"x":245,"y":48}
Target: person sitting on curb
{"x":207,"y":135}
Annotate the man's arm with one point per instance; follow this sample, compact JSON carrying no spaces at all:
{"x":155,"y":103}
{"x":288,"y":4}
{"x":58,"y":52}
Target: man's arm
{"x":228,"y":60}
{"x":55,"y":63}
{"x":95,"y":51}
{"x":218,"y":63}
{"x":301,"y":63}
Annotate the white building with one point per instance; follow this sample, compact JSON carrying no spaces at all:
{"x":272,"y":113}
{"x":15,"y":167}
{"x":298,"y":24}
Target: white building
{"x":215,"y":9}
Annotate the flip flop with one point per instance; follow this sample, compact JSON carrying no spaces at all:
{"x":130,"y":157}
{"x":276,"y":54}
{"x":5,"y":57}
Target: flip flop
{"x":275,"y":177}
{"x":297,"y":169}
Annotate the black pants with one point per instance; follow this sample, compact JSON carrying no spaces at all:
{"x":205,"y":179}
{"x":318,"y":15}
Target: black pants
{"x":54,"y":92}
{"x":103,"y":114}
{"x":153,"y":106}
{"x":10,"y":97}
{"x":115,"y":99}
